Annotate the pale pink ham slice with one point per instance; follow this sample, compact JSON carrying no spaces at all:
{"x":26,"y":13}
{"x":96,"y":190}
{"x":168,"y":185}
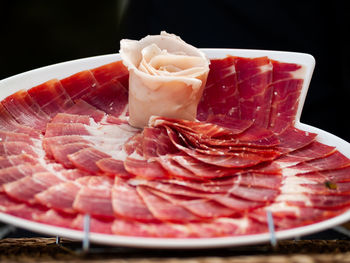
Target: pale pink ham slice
{"x":59,"y":129}
{"x":81,"y":107}
{"x":8,"y":136}
{"x":56,"y":218}
{"x":26,"y":211}
{"x":287,"y":83}
{"x":13,"y":160}
{"x":62,"y":196}
{"x":25,"y":188}
{"x":222,"y":79}
{"x":163,"y":209}
{"x":60,"y":152}
{"x":85,"y":159}
{"x":49,"y":142}
{"x":145,"y":169}
{"x":95,"y":198}
{"x":14,"y":173}
{"x":16,"y":148}
{"x":79,"y":84}
{"x":97,"y":225}
{"x":113,"y":167}
{"x":8,"y":123}
{"x":51,"y":97}
{"x":254,"y":76}
{"x":128,"y":204}
{"x":25,"y":110}
{"x":71,"y":118}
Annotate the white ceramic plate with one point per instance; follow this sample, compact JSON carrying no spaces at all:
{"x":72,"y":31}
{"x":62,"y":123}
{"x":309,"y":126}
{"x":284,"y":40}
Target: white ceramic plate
{"x":34,"y":77}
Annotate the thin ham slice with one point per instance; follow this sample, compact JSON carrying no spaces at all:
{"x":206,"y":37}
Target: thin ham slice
{"x":163,"y":209}
{"x":254,"y":76}
{"x":128,"y":204}
{"x":95,"y":198}
{"x":8,"y":136}
{"x":222,"y":79}
{"x":287,"y":82}
{"x":16,"y":148}
{"x":85,"y":159}
{"x":108,"y":72}
{"x":56,"y":218}
{"x":25,"y":110}
{"x":51,"y":97}
{"x":60,"y":129}
{"x":79,"y":84}
{"x":60,"y":152}
{"x":15,"y":173}
{"x":113,"y":167}
{"x":13,"y":160}
{"x":81,"y":107}
{"x":71,"y":118}
{"x":97,"y":225}
{"x":111,"y":97}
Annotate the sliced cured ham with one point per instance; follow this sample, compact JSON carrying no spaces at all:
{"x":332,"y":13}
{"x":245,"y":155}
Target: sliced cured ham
{"x":14,"y":160}
{"x":108,"y":72}
{"x":85,"y":159}
{"x":15,"y":173}
{"x":79,"y":84}
{"x":222,"y":79}
{"x":128,"y":204}
{"x":111,"y":97}
{"x":71,"y":118}
{"x":287,"y":81}
{"x":16,"y":148}
{"x":60,"y":152}
{"x":113,"y":167}
{"x":51,"y":97}
{"x":25,"y":110}
{"x":254,"y":77}
{"x":81,"y":107}
{"x":8,"y":136}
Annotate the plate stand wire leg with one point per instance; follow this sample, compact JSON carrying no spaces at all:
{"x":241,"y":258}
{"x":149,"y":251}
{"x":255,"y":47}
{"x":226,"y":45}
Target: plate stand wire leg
{"x":271,"y":225}
{"x":86,"y":241}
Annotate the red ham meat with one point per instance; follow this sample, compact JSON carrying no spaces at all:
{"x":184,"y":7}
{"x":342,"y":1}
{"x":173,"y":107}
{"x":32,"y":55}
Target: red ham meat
{"x":287,"y":82}
{"x":111,"y":97}
{"x":222,"y":79}
{"x":51,"y":97}
{"x":127,"y":203}
{"x":67,"y":151}
{"x":254,"y":77}
{"x":79,"y":84}
{"x":108,"y":72}
{"x":25,"y":110}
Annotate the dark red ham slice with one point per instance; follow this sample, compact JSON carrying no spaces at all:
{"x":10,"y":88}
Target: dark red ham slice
{"x":287,"y":82}
{"x":328,"y":188}
{"x":86,"y":159}
{"x":254,"y":76}
{"x":222,"y":79}
{"x":337,"y":175}
{"x":16,"y":148}
{"x":236,"y":204}
{"x":292,"y":139}
{"x":128,"y":204}
{"x":81,"y":107}
{"x":111,"y":97}
{"x":156,"y":143}
{"x":235,"y":125}
{"x":318,"y":201}
{"x":163,"y":209}
{"x":9,"y":161}
{"x":79,"y":84}
{"x":25,"y":110}
{"x":51,"y":97}
{"x":71,"y":118}
{"x":95,"y":198}
{"x":333,"y":161}
{"x":108,"y":72}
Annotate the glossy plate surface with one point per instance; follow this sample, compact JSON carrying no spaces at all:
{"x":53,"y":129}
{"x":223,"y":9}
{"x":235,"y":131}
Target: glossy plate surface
{"x":34,"y":77}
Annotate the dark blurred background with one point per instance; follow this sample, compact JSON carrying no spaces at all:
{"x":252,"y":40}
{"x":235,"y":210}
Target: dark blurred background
{"x":40,"y":33}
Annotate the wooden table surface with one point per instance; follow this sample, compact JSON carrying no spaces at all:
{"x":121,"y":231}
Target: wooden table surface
{"x":46,"y":250}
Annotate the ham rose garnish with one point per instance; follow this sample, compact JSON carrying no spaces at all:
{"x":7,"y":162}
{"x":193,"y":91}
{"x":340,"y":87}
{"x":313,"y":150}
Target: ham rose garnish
{"x":167,"y":77}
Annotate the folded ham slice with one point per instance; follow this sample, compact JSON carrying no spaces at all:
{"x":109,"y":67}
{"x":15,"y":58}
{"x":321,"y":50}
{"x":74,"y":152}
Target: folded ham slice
{"x":167,"y":77}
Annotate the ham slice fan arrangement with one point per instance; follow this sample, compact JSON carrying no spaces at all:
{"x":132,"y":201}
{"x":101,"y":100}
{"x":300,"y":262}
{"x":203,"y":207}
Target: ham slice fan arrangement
{"x":67,"y":150}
